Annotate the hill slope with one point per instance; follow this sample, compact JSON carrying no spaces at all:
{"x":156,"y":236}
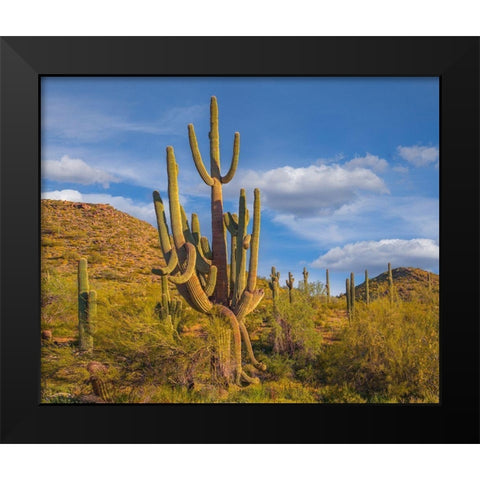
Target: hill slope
{"x":116,"y":245}
{"x":407,"y":281}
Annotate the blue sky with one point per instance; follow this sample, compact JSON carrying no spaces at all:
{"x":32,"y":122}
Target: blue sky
{"x":347,"y":167}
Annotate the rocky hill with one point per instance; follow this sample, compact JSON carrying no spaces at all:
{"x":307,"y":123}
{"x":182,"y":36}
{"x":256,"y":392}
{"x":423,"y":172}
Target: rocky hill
{"x":408,"y":281}
{"x":116,"y":245}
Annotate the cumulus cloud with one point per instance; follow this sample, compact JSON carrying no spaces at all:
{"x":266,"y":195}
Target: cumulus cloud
{"x":75,"y":170}
{"x":374,"y":255}
{"x":143,"y":211}
{"x":313,"y":190}
{"x":374,"y":162}
{"x":419,"y":156}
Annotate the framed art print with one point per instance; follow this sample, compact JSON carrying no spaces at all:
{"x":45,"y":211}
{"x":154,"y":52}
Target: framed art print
{"x":204,"y":232}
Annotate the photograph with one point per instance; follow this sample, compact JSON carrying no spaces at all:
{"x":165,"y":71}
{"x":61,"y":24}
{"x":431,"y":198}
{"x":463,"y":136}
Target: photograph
{"x":239,"y":239}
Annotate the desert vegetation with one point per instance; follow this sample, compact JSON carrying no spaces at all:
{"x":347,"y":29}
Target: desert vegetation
{"x":134,"y":315}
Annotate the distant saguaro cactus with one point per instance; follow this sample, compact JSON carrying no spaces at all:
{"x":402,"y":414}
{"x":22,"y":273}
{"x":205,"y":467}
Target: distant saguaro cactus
{"x":327,"y":284}
{"x":305,"y":280}
{"x":390,"y":283}
{"x":87,"y":308}
{"x":429,"y":278}
{"x":367,"y":292}
{"x":352,"y":293}
{"x":289,"y":284}
{"x":347,"y":298}
{"x":274,"y":284}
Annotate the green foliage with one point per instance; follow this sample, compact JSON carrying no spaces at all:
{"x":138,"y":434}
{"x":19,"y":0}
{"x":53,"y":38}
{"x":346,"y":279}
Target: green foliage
{"x":389,"y":353}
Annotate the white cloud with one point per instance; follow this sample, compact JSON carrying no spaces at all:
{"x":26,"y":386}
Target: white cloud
{"x":75,"y":170}
{"x":419,"y":156}
{"x":400,"y":169}
{"x":144,"y":211}
{"x":374,"y":255}
{"x":310,"y":191}
{"x":367,"y":217}
{"x":374,"y":162}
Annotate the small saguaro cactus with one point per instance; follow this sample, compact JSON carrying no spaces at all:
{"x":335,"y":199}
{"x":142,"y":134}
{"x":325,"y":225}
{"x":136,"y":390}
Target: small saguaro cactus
{"x":274,"y":284}
{"x":352,"y":293}
{"x":87,"y":308}
{"x":367,"y":291}
{"x":289,"y":284}
{"x":390,"y":283}
{"x":327,"y":284}
{"x":98,"y":380}
{"x":305,"y":279}
{"x":201,"y":274}
{"x":429,"y":278}
{"x":347,"y":298}
{"x":169,"y":310}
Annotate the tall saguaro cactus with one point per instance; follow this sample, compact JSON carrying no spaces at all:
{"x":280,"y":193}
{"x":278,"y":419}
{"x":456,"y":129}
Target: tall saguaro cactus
{"x":367,"y":291}
{"x":352,"y":293}
{"x":215,"y":180}
{"x":347,"y":298}
{"x":327,"y":284}
{"x":199,"y":272}
{"x":87,"y":308}
{"x":305,"y":279}
{"x":289,"y":284}
{"x":390,"y":283}
{"x":274,"y":285}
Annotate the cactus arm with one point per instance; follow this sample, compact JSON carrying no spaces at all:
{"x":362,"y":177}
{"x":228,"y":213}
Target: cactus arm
{"x":233,"y":166}
{"x":161,"y":223}
{"x":175,"y":210}
{"x":211,"y":281}
{"x":241,"y":260}
{"x":207,"y":252}
{"x":171,"y":265}
{"x":214,"y":140}
{"x":231,"y":223}
{"x":257,"y":297}
{"x":254,"y":244}
{"x":197,"y":158}
{"x":248,"y":344}
{"x":202,"y":264}
{"x":188,"y":268}
{"x":196,"y":229}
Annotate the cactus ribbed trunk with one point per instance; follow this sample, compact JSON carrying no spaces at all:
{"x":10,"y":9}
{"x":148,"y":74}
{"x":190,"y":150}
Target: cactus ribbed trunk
{"x":219,"y":247}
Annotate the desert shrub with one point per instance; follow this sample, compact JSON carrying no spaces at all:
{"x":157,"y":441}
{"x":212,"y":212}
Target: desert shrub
{"x":293,"y":328}
{"x":388,"y":352}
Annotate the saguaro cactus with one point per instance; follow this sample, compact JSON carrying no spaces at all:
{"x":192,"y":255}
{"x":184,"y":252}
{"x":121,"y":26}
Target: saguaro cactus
{"x":327,"y":284}
{"x":367,"y":292}
{"x":169,"y":310}
{"x":390,"y":283}
{"x":352,"y":293}
{"x":305,"y":279}
{"x":200,"y":273}
{"x":289,"y":284}
{"x":87,"y":308}
{"x":429,"y":278}
{"x":274,"y":284}
{"x":347,"y":298}
{"x":99,"y":383}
